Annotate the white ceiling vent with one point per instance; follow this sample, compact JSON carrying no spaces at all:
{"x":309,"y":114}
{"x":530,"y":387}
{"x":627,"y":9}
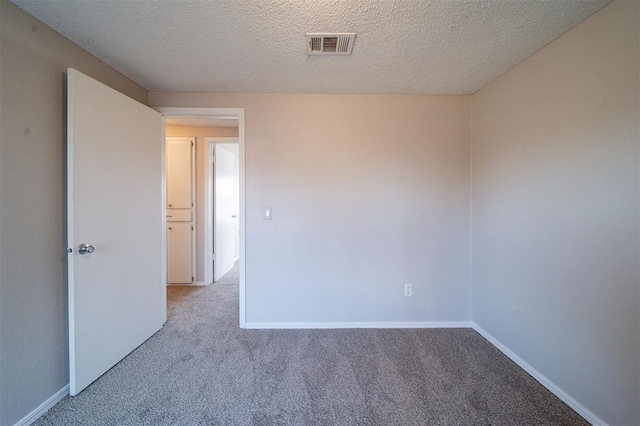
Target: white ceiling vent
{"x":330,"y":44}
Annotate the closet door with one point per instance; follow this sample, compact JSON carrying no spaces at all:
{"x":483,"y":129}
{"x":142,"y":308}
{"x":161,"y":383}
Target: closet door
{"x":179,"y":253}
{"x":179,"y":173}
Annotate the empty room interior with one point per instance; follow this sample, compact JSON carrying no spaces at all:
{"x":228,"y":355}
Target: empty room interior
{"x":436,"y":217}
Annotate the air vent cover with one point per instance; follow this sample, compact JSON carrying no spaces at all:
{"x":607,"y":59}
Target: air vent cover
{"x":330,"y":44}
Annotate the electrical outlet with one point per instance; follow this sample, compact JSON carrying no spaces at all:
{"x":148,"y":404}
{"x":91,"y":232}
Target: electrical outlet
{"x":408,"y":289}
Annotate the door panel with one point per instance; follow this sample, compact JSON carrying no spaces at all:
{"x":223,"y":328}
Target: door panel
{"x":117,"y":296}
{"x":179,"y":253}
{"x":179,"y":173}
{"x":224,"y":233}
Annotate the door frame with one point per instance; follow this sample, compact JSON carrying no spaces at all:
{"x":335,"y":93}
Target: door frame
{"x":209,"y":203}
{"x":233,"y":113}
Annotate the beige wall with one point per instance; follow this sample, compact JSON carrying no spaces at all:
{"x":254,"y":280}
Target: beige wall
{"x":200,"y":133}
{"x":33,"y":337}
{"x":368,"y":193}
{"x":555,"y":212}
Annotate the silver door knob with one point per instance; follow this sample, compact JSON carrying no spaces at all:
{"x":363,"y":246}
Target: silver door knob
{"x":233,"y":216}
{"x":85,"y":248}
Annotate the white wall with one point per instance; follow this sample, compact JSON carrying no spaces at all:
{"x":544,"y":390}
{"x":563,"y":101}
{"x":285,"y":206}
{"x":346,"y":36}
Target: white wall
{"x":33,"y":304}
{"x":368,"y":193}
{"x":555,"y":212}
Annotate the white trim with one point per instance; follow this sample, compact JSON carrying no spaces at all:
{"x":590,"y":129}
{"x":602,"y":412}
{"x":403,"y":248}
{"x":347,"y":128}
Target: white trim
{"x":361,"y":324}
{"x":541,"y":378}
{"x":44,"y":407}
{"x":209,"y":246}
{"x":71,"y":75}
{"x":232,"y":112}
{"x":163,"y":215}
{"x":198,"y":112}
{"x":471,"y":210}
{"x":243,"y":257}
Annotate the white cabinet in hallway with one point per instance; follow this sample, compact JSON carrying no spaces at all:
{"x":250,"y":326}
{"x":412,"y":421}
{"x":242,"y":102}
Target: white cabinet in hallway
{"x":179,"y":173}
{"x":179,"y":253}
{"x":180,"y":178}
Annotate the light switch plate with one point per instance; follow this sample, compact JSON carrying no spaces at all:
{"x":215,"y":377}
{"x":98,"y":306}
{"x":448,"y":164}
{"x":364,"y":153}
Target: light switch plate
{"x":266,"y":213}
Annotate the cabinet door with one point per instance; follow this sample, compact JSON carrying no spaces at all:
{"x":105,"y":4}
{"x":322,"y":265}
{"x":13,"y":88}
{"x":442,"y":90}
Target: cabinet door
{"x":179,"y":253}
{"x":179,"y":173}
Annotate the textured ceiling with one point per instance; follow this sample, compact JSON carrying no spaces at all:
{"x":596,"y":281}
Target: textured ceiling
{"x":201,"y":122}
{"x":401,"y":47}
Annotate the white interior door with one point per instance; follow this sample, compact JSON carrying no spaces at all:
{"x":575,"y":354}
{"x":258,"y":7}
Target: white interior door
{"x":117,"y":294}
{"x":225,"y":212}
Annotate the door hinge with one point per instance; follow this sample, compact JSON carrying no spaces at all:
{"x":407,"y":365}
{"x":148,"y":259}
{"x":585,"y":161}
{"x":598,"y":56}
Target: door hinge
{"x":192,"y":227}
{"x":213,"y":256}
{"x":192,"y":279}
{"x":191,"y":143}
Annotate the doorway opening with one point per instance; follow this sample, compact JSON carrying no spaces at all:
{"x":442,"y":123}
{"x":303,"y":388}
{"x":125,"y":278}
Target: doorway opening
{"x":218,"y":212}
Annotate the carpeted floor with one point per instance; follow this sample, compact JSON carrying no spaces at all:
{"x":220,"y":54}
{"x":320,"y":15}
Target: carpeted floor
{"x":202,"y":369}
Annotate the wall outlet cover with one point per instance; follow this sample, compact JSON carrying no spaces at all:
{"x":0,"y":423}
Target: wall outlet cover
{"x":408,"y":289}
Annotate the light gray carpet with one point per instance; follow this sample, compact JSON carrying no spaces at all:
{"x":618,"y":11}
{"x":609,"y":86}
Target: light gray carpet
{"x":202,"y":369}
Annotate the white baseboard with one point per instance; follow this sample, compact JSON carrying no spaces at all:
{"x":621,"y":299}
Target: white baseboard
{"x":544,"y":381}
{"x":44,"y":407}
{"x":365,"y":324}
